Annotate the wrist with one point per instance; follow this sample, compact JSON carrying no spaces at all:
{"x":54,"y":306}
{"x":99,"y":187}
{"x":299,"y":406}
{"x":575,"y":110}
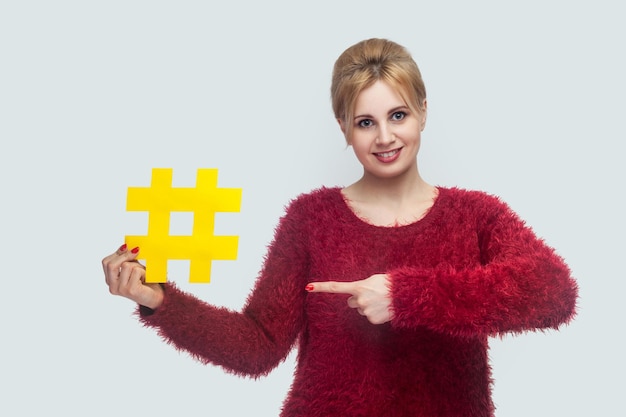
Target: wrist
{"x":156,"y":297}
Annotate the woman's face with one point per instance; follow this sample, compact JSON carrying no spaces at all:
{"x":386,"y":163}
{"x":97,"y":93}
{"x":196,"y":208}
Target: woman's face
{"x":385,"y":134}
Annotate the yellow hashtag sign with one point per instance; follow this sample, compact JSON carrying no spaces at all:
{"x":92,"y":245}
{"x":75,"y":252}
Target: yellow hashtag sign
{"x":202,"y":246}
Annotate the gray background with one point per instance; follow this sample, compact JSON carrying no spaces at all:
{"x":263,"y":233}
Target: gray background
{"x":526,"y":101}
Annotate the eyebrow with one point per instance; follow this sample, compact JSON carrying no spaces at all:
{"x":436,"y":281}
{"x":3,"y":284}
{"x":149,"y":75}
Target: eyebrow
{"x":395,"y":109}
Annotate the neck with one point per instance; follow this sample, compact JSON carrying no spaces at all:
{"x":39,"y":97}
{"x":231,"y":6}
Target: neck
{"x":390,"y":201}
{"x":409,"y":186}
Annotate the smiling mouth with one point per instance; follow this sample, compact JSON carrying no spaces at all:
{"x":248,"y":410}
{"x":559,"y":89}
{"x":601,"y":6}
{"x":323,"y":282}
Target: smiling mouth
{"x":387,"y":154}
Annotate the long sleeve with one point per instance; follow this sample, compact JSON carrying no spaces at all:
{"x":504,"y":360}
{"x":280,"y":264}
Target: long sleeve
{"x":517,"y":284}
{"x":467,"y":269}
{"x":255,"y":340}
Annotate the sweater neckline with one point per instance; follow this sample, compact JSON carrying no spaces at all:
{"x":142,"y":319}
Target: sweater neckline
{"x":421,"y":222}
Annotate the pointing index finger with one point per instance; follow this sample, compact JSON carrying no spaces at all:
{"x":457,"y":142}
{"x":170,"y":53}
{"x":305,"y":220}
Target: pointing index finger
{"x":332,"y":287}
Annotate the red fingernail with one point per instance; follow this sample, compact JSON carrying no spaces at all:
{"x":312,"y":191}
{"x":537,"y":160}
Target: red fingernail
{"x":135,"y":250}
{"x":309,"y":287}
{"x":123,"y":247}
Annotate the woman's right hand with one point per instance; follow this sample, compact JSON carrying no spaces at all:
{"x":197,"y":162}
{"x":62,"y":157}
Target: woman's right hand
{"x":126,"y":277}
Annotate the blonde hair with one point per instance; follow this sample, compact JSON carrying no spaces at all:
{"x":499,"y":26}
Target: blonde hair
{"x":366,"y":62}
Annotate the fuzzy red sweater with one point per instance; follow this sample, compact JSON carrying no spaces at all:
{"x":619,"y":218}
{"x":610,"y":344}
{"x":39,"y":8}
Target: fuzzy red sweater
{"x":468,"y":270}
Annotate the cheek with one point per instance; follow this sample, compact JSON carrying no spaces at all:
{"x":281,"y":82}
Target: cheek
{"x":361,"y":141}
{"x":360,"y":146}
{"x":411,"y":132}
{"x":359,"y":149}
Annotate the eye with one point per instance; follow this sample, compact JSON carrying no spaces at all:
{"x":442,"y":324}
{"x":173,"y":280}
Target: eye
{"x":399,"y":115}
{"x":365,"y":123}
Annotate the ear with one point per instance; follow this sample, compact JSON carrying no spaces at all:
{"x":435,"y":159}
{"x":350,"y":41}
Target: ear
{"x":424,"y":113}
{"x":342,"y":126}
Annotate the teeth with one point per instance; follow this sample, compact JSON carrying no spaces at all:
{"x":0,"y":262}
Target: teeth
{"x":388,"y":154}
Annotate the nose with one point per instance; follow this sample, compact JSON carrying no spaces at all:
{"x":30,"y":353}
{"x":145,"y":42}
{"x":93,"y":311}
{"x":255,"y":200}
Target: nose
{"x":385,"y":135}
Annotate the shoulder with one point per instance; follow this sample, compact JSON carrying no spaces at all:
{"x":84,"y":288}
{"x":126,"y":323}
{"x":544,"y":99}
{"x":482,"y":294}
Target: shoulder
{"x":474,"y":197}
{"x":315,"y":199}
{"x":304,"y":214}
{"x":475,"y":203}
{"x":315,"y":203}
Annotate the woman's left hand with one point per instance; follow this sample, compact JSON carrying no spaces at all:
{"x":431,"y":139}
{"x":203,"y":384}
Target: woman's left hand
{"x":370,"y":296}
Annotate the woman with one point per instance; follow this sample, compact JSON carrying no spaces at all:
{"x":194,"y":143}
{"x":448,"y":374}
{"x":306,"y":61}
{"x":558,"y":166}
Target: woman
{"x":389,"y":287}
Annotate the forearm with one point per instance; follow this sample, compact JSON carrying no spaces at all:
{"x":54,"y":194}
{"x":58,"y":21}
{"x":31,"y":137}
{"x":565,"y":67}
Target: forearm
{"x":513,"y":296}
{"x":237,"y":341}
